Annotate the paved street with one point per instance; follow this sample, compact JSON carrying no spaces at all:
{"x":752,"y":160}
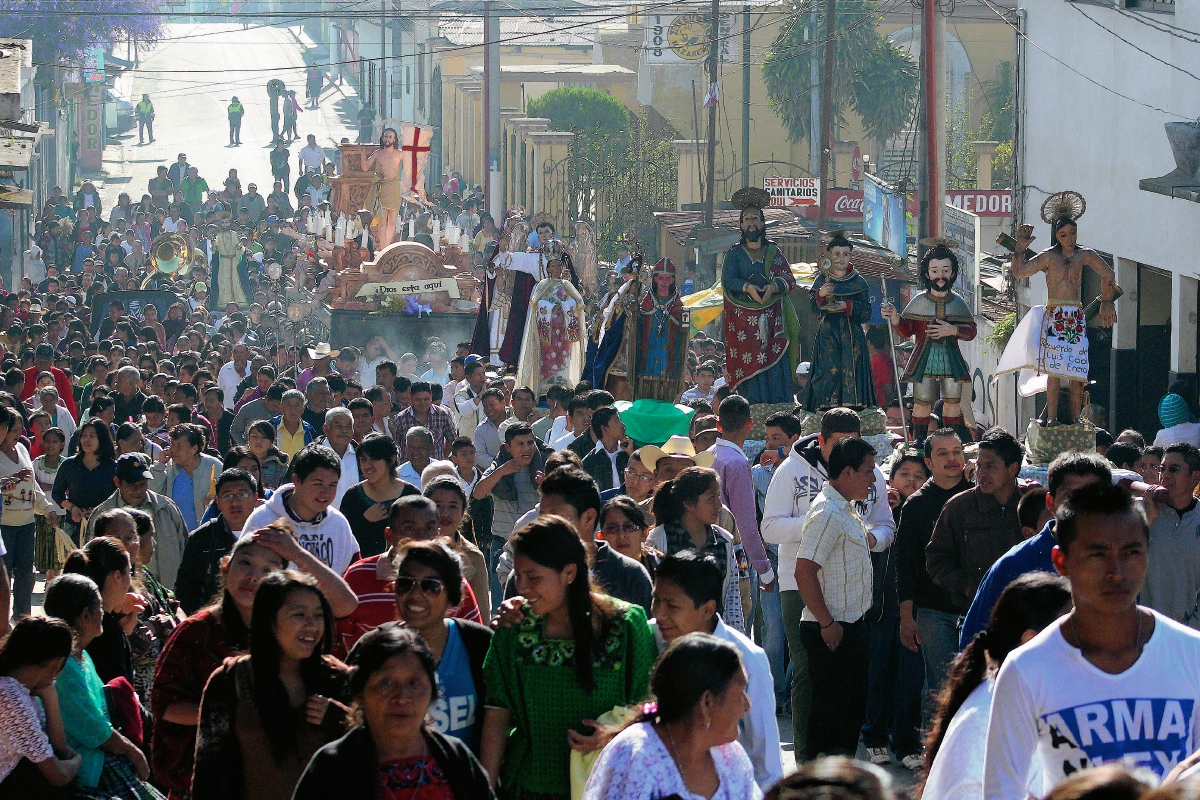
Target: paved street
{"x":190,"y":106}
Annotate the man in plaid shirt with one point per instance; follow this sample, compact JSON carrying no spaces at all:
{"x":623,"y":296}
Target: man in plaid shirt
{"x":424,"y":413}
{"x":833,"y":573}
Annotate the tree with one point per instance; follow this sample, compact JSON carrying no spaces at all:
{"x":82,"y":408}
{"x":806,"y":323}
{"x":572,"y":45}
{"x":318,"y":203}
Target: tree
{"x":589,"y":113}
{"x":995,"y":125}
{"x":63,"y":30}
{"x":872,"y":77}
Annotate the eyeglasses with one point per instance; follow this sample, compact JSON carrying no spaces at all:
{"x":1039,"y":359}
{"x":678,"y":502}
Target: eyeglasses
{"x":228,"y":496}
{"x":431,"y":587}
{"x":613,"y":530}
{"x":630,"y":475}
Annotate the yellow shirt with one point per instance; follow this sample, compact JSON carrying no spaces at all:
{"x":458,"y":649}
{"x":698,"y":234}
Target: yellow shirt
{"x":291,"y":444}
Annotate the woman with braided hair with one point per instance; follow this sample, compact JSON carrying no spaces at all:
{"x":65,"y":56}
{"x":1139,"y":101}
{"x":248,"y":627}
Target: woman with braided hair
{"x":954,"y":748}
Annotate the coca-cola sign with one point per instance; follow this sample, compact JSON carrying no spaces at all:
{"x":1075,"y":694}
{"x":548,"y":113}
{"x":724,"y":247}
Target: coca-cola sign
{"x":846,"y":203}
{"x":843,"y":203}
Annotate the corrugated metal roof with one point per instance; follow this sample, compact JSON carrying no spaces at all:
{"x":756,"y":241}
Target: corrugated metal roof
{"x":521,"y":31}
{"x":17,"y":53}
{"x":782,"y":224}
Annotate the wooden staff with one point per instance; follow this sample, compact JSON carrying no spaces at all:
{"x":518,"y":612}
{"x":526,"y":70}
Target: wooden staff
{"x":895,"y":367}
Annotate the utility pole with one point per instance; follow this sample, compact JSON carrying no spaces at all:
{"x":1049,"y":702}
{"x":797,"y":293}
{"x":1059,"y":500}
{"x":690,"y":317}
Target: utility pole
{"x":933,"y":155}
{"x":383,"y":88}
{"x":814,"y":99}
{"x":827,"y":110}
{"x":713,"y":60}
{"x":491,"y":112}
{"x":746,"y":95}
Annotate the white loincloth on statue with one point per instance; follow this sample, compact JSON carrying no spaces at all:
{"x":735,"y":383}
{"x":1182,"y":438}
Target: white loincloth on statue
{"x":1049,"y":340}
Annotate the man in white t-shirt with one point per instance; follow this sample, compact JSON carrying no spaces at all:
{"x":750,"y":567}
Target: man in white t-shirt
{"x":312,"y":156}
{"x":1108,"y":683}
{"x":306,"y":505}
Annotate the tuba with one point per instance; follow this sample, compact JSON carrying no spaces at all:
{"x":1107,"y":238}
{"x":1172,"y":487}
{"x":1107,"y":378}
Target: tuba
{"x":170,"y":254}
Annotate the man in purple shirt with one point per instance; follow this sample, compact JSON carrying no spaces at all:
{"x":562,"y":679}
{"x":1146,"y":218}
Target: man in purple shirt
{"x":737,"y":486}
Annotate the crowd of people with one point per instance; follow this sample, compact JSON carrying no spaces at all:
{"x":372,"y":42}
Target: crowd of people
{"x":218,"y":627}
{"x":277,"y":571}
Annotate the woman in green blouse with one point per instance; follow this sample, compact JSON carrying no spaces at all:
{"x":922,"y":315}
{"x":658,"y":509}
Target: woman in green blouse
{"x":575,"y":655}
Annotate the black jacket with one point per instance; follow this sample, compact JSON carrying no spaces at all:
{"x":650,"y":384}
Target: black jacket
{"x":599,"y":466}
{"x":199,"y":578}
{"x":348,"y":769}
{"x":918,"y":516}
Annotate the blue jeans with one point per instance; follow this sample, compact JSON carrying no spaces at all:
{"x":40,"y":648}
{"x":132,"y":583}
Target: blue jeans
{"x":939,"y":646}
{"x":18,"y":560}
{"x":895,"y":680}
{"x":770,"y":634}
{"x":493,"y":558}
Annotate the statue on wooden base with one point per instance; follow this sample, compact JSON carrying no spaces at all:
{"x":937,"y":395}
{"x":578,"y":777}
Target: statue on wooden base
{"x":552,"y":350}
{"x":841,"y":365}
{"x":762,"y":331}
{"x":1050,"y":344}
{"x":938,"y":319}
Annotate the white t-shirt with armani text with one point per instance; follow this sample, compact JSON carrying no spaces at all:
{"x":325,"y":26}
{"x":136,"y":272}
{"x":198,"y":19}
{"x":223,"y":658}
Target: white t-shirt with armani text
{"x":1051,"y":703}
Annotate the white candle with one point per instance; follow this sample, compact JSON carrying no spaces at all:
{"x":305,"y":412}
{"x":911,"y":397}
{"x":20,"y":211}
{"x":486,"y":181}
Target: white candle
{"x":327,"y":221}
{"x":339,"y":233}
{"x":363,"y":243}
{"x":437,"y":233}
{"x":412,"y":227}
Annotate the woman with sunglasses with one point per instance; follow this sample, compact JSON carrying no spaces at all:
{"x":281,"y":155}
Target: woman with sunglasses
{"x":412,"y":518}
{"x":428,"y":588}
{"x":624,"y":526}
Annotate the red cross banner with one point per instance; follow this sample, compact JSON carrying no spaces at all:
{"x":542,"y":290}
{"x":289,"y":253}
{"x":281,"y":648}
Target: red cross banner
{"x":415,"y":146}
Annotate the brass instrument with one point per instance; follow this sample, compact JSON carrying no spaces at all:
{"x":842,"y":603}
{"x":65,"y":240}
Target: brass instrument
{"x":171,"y":254}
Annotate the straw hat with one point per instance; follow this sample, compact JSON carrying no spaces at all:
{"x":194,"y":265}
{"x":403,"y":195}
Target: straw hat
{"x":675,"y":446}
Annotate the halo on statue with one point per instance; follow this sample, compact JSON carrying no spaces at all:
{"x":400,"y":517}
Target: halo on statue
{"x":938,"y":241}
{"x":751,"y":197}
{"x":841,"y":233}
{"x":1063,"y":205}
{"x":540,"y":218}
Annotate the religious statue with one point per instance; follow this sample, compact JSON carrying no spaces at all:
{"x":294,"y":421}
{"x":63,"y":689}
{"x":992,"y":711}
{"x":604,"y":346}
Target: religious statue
{"x":233,"y":279}
{"x":507,"y":262}
{"x":552,"y":350}
{"x":608,"y":352}
{"x":1050,"y":344}
{"x":762,"y":331}
{"x":841,"y":366}
{"x":657,"y":342}
{"x":938,"y":318}
{"x":383,"y":200}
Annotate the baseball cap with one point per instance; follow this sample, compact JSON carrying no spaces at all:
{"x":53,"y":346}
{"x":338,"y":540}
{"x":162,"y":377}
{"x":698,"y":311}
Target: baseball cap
{"x":804,"y":368}
{"x":132,"y":468}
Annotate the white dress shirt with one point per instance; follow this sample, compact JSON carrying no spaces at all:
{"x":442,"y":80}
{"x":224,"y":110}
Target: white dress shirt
{"x":227,"y":381}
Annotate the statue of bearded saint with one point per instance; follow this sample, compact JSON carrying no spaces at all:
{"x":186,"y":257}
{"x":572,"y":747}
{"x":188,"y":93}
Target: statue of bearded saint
{"x":552,"y":346}
{"x":938,"y":319}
